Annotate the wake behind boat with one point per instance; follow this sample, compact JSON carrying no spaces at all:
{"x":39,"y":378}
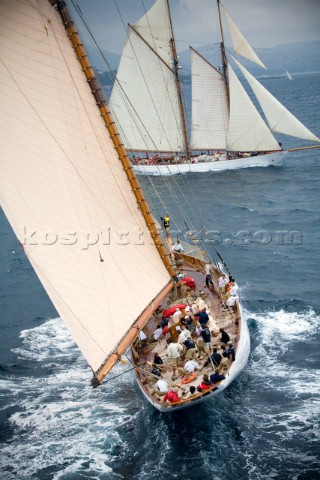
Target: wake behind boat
{"x":69,"y":191}
{"x":227,"y":130}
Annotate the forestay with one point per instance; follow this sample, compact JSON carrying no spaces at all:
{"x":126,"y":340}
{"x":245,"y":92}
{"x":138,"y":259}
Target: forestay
{"x":62,"y":185}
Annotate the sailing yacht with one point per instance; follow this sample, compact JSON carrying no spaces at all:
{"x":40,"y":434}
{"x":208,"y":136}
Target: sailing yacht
{"x":148,"y":105}
{"x":288,"y":75}
{"x":69,"y":191}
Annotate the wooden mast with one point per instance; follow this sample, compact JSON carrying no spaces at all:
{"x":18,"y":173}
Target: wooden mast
{"x":224,"y":57}
{"x":175,"y":67}
{"x":141,"y":201}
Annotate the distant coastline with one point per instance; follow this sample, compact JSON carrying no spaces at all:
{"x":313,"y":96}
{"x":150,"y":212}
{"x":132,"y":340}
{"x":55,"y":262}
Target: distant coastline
{"x":301,"y":58}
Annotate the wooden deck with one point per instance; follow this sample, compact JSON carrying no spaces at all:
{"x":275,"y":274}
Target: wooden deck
{"x":143,"y":354}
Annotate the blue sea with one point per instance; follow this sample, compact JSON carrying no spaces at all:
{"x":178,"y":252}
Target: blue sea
{"x":265,"y":222}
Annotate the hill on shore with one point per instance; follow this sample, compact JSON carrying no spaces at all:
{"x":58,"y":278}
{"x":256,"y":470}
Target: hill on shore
{"x":294,"y":57}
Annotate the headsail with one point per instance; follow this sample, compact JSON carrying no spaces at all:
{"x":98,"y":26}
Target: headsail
{"x":278,"y":117}
{"x":209,"y":105}
{"x":247,"y":130}
{"x":240,"y":44}
{"x":144,"y":99}
{"x":63,"y":188}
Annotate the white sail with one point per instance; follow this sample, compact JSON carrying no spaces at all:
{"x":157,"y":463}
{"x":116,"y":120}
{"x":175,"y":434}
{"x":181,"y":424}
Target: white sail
{"x":278,"y":117}
{"x":240,"y":44}
{"x":247,"y":130}
{"x":209,"y":105}
{"x":288,"y":75}
{"x":144,"y":99}
{"x":62,"y":185}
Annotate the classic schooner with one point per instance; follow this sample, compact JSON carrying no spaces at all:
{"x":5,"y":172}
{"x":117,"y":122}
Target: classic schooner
{"x":227,"y":130}
{"x":69,"y":191}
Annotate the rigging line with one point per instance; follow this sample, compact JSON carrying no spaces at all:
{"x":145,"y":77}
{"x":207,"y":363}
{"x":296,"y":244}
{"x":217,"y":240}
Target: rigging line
{"x":113,"y":77}
{"x":146,"y":84}
{"x":119,"y":375}
{"x":177,"y":185}
{"x":178,"y":123}
{"x":111,"y":170}
{"x":116,"y":181}
{"x":81,"y":16}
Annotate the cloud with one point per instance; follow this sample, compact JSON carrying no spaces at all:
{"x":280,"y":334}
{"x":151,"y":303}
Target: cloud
{"x":265,"y":23}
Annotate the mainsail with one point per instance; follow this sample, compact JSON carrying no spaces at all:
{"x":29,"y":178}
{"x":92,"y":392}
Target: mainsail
{"x":63,"y":188}
{"x":209,"y":105}
{"x":145,"y":99}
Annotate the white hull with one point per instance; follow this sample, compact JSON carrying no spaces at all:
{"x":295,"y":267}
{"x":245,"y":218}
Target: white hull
{"x":242,"y":355}
{"x":212,"y":166}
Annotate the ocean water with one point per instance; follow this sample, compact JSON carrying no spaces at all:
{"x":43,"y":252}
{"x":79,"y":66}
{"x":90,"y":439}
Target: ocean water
{"x":266,"y":224}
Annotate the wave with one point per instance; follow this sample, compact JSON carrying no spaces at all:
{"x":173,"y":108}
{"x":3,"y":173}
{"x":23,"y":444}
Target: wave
{"x":59,"y":428}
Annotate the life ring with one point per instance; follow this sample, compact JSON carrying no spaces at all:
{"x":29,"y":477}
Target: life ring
{"x":189,"y":378}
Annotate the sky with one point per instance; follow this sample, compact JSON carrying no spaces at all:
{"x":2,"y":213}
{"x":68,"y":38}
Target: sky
{"x":265,"y":23}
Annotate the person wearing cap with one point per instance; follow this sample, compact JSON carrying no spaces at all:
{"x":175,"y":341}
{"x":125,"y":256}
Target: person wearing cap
{"x":187,"y":321}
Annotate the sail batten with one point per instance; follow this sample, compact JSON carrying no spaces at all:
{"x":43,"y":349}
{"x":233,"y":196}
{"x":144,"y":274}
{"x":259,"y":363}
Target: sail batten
{"x":67,"y":196}
{"x":278,"y":117}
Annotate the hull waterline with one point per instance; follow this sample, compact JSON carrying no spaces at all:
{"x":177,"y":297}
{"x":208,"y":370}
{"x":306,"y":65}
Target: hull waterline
{"x":212,"y":166}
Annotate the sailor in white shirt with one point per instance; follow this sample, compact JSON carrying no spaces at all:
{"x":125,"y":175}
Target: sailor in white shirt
{"x":231,"y":301}
{"x":142,"y":335}
{"x":161,"y":386}
{"x":176,"y":316}
{"x":177,"y":247}
{"x":234,"y":289}
{"x":190,"y":366}
{"x":222,"y":283}
{"x":173,"y":352}
{"x":184,"y":335}
{"x":157,"y":334}
{"x":207,"y":269}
